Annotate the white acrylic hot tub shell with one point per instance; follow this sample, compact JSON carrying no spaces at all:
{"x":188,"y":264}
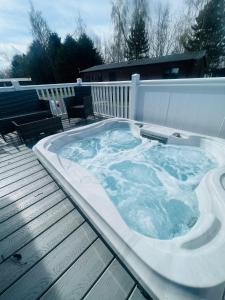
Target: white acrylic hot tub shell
{"x":187,"y":267}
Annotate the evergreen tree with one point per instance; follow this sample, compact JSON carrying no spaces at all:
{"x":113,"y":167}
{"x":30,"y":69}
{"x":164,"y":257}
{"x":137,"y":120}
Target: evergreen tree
{"x":19,"y":66}
{"x":48,"y":60}
{"x":209,"y":32}
{"x":39,"y":65}
{"x":67,"y":60}
{"x":53,"y":48}
{"x":88,"y":54}
{"x":137,"y":41}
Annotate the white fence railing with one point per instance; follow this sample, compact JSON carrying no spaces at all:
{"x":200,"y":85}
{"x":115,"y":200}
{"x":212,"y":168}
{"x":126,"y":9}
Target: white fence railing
{"x":196,"y":105}
{"x":55,"y":95}
{"x":111,"y":100}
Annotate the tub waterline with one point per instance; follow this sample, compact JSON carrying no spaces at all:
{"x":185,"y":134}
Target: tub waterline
{"x":186,"y":267}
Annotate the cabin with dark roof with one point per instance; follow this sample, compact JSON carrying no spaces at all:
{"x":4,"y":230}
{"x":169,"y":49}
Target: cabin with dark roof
{"x":185,"y":65}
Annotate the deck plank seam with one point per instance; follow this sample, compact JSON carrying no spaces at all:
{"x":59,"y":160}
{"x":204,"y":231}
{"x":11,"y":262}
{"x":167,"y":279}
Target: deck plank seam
{"x":42,"y":198}
{"x":29,"y":193}
{"x":131,"y":291}
{"x":13,"y":191}
{"x":26,"y":194}
{"x":68,"y":267}
{"x":10,"y":149}
{"x":18,"y":172}
{"x":14,"y":181}
{"x":32,"y":220}
{"x":9,"y":156}
{"x":33,"y":158}
{"x":15,"y":160}
{"x":32,"y":239}
{"x":4,"y":155}
{"x":46,"y":254}
{"x":16,"y":155}
{"x":99,"y":276}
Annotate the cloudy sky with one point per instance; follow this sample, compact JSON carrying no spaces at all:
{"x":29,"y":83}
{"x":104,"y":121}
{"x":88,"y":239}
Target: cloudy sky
{"x":15,"y":35}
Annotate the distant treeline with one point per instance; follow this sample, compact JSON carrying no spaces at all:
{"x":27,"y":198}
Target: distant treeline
{"x":140,"y":29}
{"x":49,"y":60}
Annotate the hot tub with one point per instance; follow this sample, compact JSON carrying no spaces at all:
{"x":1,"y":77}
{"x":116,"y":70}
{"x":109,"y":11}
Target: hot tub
{"x":161,"y":207}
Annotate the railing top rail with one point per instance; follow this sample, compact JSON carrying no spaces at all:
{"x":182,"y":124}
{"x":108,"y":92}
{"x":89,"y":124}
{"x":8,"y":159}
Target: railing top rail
{"x":7,"y":89}
{"x":218,"y":81}
{"x":63,"y":85}
{"x":186,"y":81}
{"x":107,"y":83}
{"x":38,"y":86}
{"x":48,"y":86}
{"x":15,"y":79}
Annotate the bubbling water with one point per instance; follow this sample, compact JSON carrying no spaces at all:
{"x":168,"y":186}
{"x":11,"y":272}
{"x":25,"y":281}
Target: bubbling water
{"x":151,"y":184}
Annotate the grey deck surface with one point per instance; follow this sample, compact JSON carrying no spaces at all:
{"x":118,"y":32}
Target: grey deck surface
{"x":62,"y":256}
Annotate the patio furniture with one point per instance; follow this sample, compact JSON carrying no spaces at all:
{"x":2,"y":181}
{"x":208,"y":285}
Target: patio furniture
{"x":82,"y":111}
{"x":80,"y":105}
{"x":37,"y":129}
{"x":23,"y":105}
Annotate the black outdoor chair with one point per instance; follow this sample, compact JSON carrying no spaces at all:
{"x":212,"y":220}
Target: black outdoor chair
{"x":22,"y":107}
{"x":80,"y":105}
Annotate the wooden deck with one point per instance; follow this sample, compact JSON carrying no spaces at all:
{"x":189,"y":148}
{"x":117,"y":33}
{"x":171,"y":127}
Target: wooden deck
{"x":62,"y":256}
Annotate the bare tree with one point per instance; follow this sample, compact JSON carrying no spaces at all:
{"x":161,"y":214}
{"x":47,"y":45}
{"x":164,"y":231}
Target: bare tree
{"x":98,"y":44}
{"x":119,"y":15}
{"x":107,"y":52}
{"x":5,"y":73}
{"x":194,"y":6}
{"x":39,"y":26}
{"x":143,"y":6}
{"x":161,"y":37}
{"x":80,"y":26}
{"x":183,"y":26}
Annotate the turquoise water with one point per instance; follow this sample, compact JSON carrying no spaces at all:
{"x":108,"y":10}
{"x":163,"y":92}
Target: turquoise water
{"x":151,"y":184}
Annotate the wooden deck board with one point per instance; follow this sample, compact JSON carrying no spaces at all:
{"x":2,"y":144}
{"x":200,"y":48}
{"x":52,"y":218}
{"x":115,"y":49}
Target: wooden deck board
{"x":33,"y":229}
{"x":39,"y":180}
{"x":6,"y":150}
{"x":24,"y":173}
{"x":8,"y":159}
{"x":81,"y":276}
{"x":27,"y":215}
{"x":27,"y":201}
{"x":27,"y":159}
{"x":136,"y":295}
{"x":62,"y":256}
{"x":49,"y":269}
{"x":38,"y":248}
{"x":15,"y":174}
{"x":14,"y":188}
{"x":115,"y":283}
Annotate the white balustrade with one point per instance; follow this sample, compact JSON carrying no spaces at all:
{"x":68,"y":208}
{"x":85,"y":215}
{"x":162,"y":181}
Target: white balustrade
{"x":55,"y":95}
{"x":111,"y":100}
{"x":196,"y":105}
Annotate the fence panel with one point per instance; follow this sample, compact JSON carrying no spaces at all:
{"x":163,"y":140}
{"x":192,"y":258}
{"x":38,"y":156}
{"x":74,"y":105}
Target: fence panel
{"x":111,"y":100}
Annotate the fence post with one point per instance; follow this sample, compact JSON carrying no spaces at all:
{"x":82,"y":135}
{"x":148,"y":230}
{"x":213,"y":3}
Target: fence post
{"x":79,"y":81}
{"x":134,"y":94}
{"x":16,"y":85}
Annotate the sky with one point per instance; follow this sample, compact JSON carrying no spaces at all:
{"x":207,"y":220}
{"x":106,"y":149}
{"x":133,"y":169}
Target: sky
{"x":61,"y":15}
